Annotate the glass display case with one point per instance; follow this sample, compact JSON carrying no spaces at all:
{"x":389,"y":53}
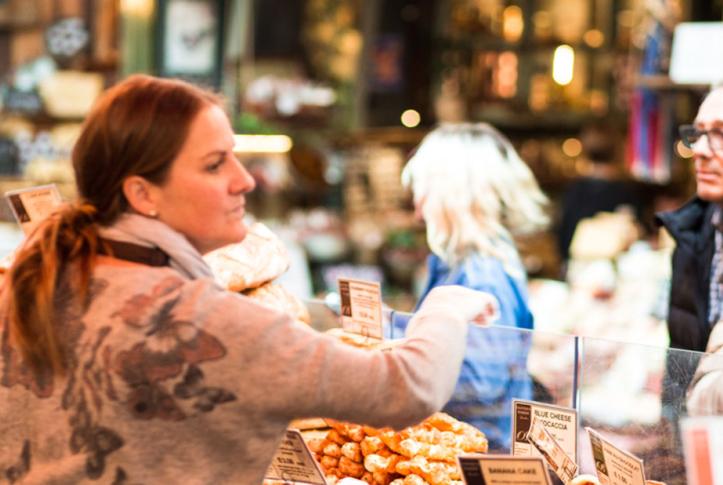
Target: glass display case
{"x":632,"y":394}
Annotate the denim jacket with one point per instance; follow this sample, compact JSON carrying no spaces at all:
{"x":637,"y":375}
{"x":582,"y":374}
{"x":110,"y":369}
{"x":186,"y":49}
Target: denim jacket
{"x":494,"y":370}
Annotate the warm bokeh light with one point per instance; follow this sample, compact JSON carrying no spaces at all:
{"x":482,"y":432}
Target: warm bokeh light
{"x":626,"y":19}
{"x":513,"y":24}
{"x":572,"y":147}
{"x":137,"y":8}
{"x":262,"y":144}
{"x":505,"y":82}
{"x":542,"y":22}
{"x":599,"y":101}
{"x":563,"y":63}
{"x":683,"y":150}
{"x":411,"y":118}
{"x":594,"y":38}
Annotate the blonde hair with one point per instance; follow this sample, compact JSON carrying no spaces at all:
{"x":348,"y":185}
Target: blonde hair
{"x":475,"y":193}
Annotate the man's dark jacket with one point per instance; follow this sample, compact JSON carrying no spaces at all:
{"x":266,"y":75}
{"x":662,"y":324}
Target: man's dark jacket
{"x":693,"y":231}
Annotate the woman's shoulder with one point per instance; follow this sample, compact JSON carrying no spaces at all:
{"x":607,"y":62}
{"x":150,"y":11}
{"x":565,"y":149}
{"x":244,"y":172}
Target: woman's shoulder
{"x":144,"y":294}
{"x":125,"y":283}
{"x":487,"y":273}
{"x":483,"y":267}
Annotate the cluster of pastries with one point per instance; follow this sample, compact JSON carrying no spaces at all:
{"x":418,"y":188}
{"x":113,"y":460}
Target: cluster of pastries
{"x":250,"y":267}
{"x":424,"y":454}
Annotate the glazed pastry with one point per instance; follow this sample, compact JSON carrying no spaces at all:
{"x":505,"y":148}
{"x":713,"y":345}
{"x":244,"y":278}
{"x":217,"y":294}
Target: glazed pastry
{"x":277,"y":297}
{"x":259,"y":258}
{"x":424,"y":454}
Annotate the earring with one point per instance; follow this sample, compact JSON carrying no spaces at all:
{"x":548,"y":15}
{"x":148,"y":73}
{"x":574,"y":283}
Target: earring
{"x":153,"y":213}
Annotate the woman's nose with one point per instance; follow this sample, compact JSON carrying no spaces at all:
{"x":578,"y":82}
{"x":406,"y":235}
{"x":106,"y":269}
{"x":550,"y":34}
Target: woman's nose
{"x":242,"y":181}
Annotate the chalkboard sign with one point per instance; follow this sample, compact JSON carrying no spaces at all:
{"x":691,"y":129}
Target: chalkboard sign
{"x":9,"y":157}
{"x":27,"y":103}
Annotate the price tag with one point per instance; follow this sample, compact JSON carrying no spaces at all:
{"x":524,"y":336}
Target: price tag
{"x":30,"y":206}
{"x":613,"y":465}
{"x":361,"y":307}
{"x":293,"y":462}
{"x":563,"y":466}
{"x":703,"y":448}
{"x":503,"y":470}
{"x":561,"y":422}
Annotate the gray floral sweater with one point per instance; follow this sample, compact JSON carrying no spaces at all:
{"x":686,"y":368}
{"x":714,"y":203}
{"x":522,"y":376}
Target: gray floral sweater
{"x":173,"y":380}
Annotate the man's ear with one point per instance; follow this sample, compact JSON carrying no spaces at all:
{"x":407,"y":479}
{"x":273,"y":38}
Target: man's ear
{"x":140,"y":194}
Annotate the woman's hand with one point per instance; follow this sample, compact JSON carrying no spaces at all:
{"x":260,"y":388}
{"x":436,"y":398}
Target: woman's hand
{"x":474,"y":306}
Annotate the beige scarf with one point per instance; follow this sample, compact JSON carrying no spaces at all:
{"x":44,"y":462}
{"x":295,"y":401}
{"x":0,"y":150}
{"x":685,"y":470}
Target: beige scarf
{"x":149,"y":232}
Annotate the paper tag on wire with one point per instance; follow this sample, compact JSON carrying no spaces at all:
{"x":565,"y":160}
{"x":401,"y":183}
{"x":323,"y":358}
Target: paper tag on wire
{"x":613,"y":465}
{"x":560,"y":421}
{"x":32,"y":205}
{"x":560,"y":463}
{"x":503,"y":470}
{"x":293,"y":462}
{"x":361,"y":307}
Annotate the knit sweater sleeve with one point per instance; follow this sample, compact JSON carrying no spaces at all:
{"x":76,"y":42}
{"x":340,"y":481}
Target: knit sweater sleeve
{"x":285,"y":369}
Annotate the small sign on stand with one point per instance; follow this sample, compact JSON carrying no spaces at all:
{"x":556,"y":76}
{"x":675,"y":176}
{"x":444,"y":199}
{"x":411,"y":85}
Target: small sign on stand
{"x":613,"y":465}
{"x":361,"y":307}
{"x":293,"y":462}
{"x":503,"y":470}
{"x":32,"y":205}
{"x":703,"y":448}
{"x":559,"y":421}
{"x":560,"y":463}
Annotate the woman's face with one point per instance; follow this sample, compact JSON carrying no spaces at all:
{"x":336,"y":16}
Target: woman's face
{"x":203,"y":197}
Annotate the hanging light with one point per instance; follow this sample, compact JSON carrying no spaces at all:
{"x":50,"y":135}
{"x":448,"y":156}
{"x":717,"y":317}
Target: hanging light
{"x":563,"y":62}
{"x":137,"y":8}
{"x":262,"y":144}
{"x":513,"y":24}
{"x":411,"y":118}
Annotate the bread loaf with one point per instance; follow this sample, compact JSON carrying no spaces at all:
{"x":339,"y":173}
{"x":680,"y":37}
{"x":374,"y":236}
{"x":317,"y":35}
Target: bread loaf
{"x":279,"y":298}
{"x":259,"y":258}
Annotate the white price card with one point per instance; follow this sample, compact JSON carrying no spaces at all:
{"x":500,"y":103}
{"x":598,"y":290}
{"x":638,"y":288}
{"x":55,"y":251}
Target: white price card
{"x":31,"y":205}
{"x":703,"y":448}
{"x":503,"y":470}
{"x":560,"y":421}
{"x":361,"y":307}
{"x":293,"y":462}
{"x":563,"y":466}
{"x":613,"y":465}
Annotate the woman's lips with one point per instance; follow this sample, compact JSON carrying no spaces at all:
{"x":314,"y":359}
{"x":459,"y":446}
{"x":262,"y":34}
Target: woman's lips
{"x":238,"y":210}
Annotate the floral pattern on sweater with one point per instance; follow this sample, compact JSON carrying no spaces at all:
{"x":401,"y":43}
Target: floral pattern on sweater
{"x":160,"y":372}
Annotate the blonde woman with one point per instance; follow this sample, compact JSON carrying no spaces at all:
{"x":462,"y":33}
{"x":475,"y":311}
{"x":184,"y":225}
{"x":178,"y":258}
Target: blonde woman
{"x":474,"y":192}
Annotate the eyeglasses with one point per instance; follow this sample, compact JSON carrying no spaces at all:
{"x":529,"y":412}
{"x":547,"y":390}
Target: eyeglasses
{"x":690,"y":135}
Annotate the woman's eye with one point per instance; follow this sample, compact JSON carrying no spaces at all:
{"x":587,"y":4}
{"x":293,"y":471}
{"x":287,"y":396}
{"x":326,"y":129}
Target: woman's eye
{"x":215,"y":165}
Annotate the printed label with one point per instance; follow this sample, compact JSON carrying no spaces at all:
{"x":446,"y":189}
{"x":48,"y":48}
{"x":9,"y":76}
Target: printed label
{"x":561,"y":422}
{"x":293,"y":462}
{"x":563,"y":466}
{"x":613,"y":465}
{"x":32,"y":205}
{"x":503,"y":470}
{"x":361,"y":307}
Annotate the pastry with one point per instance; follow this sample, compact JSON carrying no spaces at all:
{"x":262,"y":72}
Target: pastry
{"x":259,"y":258}
{"x":279,"y":298}
{"x":421,"y":454}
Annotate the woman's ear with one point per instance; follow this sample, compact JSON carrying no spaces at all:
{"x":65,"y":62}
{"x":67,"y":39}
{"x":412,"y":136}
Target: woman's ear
{"x":140,"y":194}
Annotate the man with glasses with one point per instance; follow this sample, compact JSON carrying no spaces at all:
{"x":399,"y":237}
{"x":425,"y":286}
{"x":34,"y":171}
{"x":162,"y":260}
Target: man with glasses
{"x":696,"y":294}
{"x":696,"y":297}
